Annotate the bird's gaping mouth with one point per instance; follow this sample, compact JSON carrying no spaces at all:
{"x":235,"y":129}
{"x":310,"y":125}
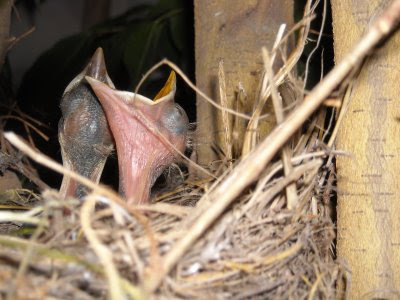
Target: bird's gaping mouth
{"x":147,"y":134}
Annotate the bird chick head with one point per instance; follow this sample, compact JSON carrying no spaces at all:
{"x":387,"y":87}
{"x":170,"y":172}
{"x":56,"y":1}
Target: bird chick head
{"x":83,"y":132}
{"x":149,"y":134}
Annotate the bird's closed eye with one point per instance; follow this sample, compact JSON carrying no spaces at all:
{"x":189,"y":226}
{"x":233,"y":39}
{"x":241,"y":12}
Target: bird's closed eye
{"x":175,"y":119}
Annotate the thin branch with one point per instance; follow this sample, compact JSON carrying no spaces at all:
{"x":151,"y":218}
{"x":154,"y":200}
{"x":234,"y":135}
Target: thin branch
{"x":250,"y":137}
{"x":316,"y":46}
{"x":291,"y":190}
{"x":191,"y":85}
{"x":225,"y":117}
{"x":102,"y":252}
{"x":14,"y":40}
{"x":25,"y":217}
{"x":27,"y":124}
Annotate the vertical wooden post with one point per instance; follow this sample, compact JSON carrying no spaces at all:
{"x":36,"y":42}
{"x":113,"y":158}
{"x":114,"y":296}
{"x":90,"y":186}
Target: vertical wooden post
{"x":5,"y":16}
{"x":233,"y":31}
{"x":368,"y":180}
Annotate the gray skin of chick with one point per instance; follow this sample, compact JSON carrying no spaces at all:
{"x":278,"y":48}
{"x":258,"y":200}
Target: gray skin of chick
{"x":83,"y":132}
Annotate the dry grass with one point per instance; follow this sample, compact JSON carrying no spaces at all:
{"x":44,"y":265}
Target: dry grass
{"x":257,"y":247}
{"x":234,"y":235}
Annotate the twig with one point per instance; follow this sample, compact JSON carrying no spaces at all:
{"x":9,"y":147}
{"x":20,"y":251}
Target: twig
{"x":54,"y":254}
{"x":166,"y":208}
{"x":316,"y":46}
{"x":191,"y":85}
{"x":27,"y":124}
{"x":13,"y":40}
{"x":293,"y":250}
{"x":271,"y":193}
{"x":102,"y":252}
{"x":333,"y":102}
{"x":225,"y":117}
{"x":251,"y":167}
{"x":314,"y":287}
{"x":345,"y":105}
{"x":250,"y":134}
{"x":30,"y":251}
{"x":291,"y":191}
{"x":25,"y":217}
{"x":239,"y":125}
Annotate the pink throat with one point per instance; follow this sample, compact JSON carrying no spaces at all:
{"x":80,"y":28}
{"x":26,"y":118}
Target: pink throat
{"x":142,"y":157}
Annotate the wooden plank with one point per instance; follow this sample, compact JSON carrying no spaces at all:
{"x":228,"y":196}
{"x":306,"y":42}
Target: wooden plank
{"x":233,"y":31}
{"x":368,"y":180}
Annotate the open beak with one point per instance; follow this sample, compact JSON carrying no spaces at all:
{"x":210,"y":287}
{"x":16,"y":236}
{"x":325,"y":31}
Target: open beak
{"x":147,"y":134}
{"x":83,"y":131}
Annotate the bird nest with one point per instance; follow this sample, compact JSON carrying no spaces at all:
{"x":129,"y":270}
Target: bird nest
{"x":255,"y":248}
{"x":203,"y":238}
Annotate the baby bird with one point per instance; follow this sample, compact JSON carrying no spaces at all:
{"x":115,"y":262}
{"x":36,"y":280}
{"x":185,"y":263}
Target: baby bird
{"x":147,"y":134}
{"x":83,"y":132}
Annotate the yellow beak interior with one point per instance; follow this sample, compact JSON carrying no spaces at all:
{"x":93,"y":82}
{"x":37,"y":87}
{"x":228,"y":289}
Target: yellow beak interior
{"x":168,"y":86}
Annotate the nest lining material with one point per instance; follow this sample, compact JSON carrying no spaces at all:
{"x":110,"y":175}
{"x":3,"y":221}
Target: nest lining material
{"x":257,"y":248}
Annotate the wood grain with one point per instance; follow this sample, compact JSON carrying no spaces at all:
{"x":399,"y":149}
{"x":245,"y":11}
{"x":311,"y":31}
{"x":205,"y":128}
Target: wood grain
{"x":233,"y":31}
{"x":368,"y":181}
{"x":5,"y":16}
